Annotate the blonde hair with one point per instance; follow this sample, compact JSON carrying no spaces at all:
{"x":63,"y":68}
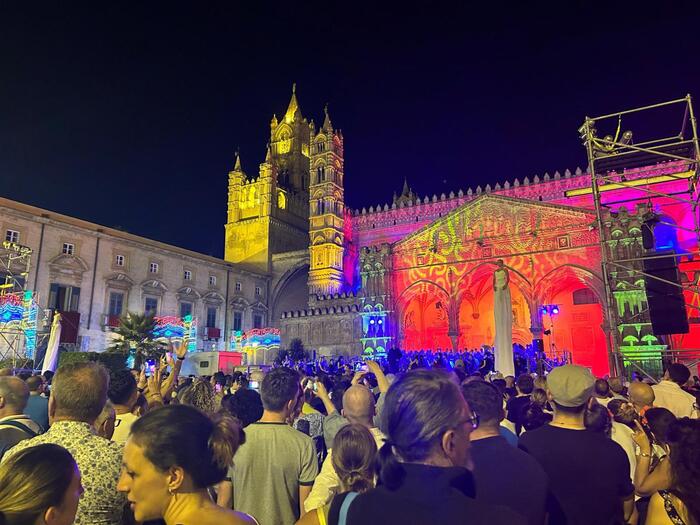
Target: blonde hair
{"x":34,"y":480}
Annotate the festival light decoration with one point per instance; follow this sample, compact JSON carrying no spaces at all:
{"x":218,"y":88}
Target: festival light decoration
{"x":168,"y":328}
{"x":29,"y":323}
{"x":255,"y":339}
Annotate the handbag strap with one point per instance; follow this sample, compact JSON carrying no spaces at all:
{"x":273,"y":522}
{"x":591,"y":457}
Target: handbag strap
{"x":17,"y":424}
{"x":345,"y":507}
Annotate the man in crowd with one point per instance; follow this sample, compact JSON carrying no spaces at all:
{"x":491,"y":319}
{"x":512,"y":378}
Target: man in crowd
{"x":669,"y":394}
{"x":276,"y":466}
{"x":14,"y":425}
{"x":358,"y":408}
{"x":601,"y":390}
{"x":589,"y":474}
{"x":123,"y":394}
{"x":641,"y":396}
{"x":516,"y":406}
{"x":78,"y":396}
{"x":37,"y":405}
{"x":500,"y":468}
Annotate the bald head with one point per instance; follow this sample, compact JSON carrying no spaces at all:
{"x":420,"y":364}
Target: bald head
{"x":13,"y":396}
{"x":641,"y":395}
{"x":358,"y":405}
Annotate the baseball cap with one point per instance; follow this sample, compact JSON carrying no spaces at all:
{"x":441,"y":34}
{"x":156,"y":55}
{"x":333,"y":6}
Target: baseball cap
{"x":570,"y":385}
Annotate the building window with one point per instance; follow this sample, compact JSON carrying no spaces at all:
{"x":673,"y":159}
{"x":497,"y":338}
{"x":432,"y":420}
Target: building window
{"x":12,"y":236}
{"x":185,"y":309}
{"x":584,"y":296}
{"x":258,"y":291}
{"x":119,"y":260}
{"x":68,"y":248}
{"x":257,"y":321}
{"x":211,"y":317}
{"x":188,"y":275}
{"x":237,"y":321}
{"x":153,"y":267}
{"x":151,"y":306}
{"x":116,"y":303}
{"x":212,"y":280}
{"x":239,"y":286}
{"x":64,"y":298}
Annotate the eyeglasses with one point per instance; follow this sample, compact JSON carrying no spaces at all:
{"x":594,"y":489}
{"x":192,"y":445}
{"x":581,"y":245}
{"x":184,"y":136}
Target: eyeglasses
{"x":473,"y":420}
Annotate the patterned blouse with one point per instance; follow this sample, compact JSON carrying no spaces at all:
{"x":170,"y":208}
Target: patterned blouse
{"x":99,"y":461}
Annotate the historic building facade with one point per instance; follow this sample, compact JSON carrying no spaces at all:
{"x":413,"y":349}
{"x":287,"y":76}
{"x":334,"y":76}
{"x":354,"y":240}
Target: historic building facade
{"x":94,"y":274}
{"x":417,"y":272}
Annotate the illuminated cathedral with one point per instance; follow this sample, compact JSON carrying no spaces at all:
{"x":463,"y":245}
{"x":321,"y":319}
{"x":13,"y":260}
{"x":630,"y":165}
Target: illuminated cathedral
{"x":416,"y":272}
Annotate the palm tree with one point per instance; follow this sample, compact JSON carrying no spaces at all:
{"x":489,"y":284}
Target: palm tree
{"x":134,"y":337}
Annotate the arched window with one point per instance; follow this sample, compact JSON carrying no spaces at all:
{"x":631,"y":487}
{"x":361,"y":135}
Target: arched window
{"x":585,"y":296}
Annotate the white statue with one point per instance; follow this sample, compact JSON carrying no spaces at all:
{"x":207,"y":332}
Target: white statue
{"x":503,"y":313}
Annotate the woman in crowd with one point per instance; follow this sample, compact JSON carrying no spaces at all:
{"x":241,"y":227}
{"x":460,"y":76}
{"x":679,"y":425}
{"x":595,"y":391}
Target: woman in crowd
{"x":679,"y":504}
{"x":534,"y":417}
{"x":39,"y":485}
{"x":354,"y":460}
{"x":424,"y":462}
{"x":200,"y":395}
{"x":653,"y":471}
{"x":173,"y":454}
{"x":597,"y":418}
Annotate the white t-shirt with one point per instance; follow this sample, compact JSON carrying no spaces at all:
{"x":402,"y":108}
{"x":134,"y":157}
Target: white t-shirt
{"x":122,"y":427}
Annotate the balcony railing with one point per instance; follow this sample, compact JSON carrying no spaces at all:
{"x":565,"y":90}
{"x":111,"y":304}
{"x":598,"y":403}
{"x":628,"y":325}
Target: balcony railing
{"x":212,"y":333}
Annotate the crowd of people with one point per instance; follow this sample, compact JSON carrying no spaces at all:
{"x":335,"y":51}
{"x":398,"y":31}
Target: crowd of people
{"x":415,"y":439}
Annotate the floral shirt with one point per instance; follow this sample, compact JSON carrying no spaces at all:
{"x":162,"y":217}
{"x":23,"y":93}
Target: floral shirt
{"x":99,"y":461}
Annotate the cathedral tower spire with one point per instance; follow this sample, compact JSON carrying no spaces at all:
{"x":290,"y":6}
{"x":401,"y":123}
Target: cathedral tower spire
{"x":326,"y":211}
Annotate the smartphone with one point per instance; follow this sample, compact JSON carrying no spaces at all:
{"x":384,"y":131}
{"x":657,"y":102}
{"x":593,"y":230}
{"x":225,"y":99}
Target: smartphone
{"x":315,"y":386}
{"x":254,"y":385}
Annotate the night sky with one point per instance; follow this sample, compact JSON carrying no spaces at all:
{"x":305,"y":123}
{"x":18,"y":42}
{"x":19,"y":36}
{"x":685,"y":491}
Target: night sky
{"x":129,"y":115}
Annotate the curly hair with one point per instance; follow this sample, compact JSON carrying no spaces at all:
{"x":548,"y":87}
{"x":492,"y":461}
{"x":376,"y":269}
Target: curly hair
{"x":200,"y":395}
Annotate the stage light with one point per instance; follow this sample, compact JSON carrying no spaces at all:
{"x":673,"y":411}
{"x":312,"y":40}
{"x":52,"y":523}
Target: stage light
{"x":380,"y":321}
{"x":371,"y":321}
{"x":543,"y":310}
{"x":555,"y":310}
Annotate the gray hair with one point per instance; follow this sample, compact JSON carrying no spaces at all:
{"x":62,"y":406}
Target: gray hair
{"x":80,"y":390}
{"x":14,"y":391}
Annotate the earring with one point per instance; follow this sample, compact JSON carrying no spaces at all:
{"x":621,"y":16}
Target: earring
{"x":171,"y":491}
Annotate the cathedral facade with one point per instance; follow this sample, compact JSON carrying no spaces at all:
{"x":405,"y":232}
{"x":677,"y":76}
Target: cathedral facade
{"x":417,"y":272}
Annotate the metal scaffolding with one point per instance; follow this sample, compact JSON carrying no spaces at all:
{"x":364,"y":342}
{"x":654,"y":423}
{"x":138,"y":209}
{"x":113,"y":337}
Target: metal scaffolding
{"x":21,"y":318}
{"x":660,"y":171}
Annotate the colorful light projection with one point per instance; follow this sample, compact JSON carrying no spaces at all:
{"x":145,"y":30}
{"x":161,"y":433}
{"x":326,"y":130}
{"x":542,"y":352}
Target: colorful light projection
{"x":19,"y":311}
{"x":442,"y":276}
{"x":376,"y":335}
{"x":170,"y":327}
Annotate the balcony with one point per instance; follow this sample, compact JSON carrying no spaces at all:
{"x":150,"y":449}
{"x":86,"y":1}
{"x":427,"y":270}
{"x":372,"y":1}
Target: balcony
{"x":110,"y":322}
{"x":212,"y":333}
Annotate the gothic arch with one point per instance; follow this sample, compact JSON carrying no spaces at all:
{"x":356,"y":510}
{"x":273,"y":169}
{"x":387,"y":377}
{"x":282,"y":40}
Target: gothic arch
{"x":551,"y":281}
{"x":290,"y":292}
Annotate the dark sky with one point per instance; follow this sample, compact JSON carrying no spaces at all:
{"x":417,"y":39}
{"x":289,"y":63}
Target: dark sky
{"x":128,"y":114}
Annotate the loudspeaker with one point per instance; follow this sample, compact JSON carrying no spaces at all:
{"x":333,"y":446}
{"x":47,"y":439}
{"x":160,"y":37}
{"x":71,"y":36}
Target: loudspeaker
{"x":538,"y":345}
{"x":665,"y":299}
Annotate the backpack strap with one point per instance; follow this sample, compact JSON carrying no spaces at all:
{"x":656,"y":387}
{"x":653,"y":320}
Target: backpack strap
{"x":21,"y":426}
{"x":345,"y":507}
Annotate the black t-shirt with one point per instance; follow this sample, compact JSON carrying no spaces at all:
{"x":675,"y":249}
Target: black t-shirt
{"x":505,"y":475}
{"x":588,"y":475}
{"x":427,"y":496}
{"x":515,"y":410}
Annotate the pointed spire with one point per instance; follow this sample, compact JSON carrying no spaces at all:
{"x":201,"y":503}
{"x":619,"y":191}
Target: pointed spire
{"x":237,"y":167}
{"x":293,"y":106}
{"x":406,"y":190}
{"x":327,"y":126}
{"x":268,"y":154}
